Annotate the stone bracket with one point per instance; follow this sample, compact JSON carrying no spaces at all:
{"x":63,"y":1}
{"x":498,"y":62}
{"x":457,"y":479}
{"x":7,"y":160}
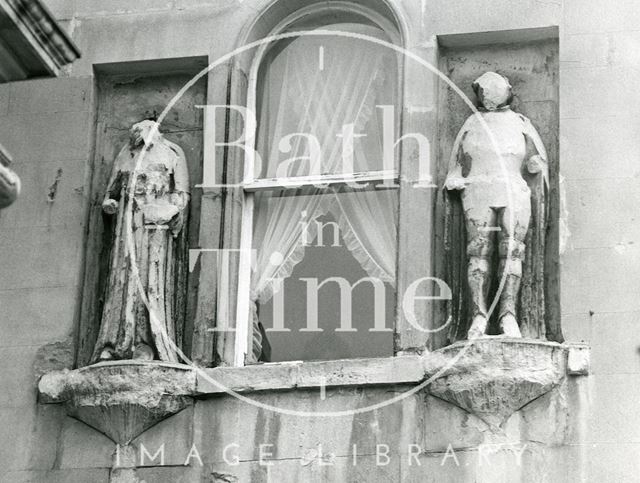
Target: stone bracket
{"x":121,"y":399}
{"x":493,"y":377}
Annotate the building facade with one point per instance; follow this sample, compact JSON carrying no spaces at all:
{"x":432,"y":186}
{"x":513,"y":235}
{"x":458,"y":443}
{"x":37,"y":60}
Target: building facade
{"x":396,"y":404}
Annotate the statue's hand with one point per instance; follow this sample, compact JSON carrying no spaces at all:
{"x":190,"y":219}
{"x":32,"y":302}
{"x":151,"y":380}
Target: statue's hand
{"x":159,"y":213}
{"x":535,"y":164}
{"x":110,"y":206}
{"x":455,"y":183}
{"x":175,"y":225}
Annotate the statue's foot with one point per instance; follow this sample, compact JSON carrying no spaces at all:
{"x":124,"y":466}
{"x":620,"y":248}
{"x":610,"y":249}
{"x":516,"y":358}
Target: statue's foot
{"x":478,"y":327}
{"x":107,"y":354}
{"x":143,"y":353}
{"x":509,"y":326}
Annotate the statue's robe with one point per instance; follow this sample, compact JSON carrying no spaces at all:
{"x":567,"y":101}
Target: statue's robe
{"x":531,"y":300}
{"x":148,"y":255}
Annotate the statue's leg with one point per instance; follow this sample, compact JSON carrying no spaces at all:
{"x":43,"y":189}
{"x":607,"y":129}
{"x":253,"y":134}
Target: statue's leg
{"x":514,"y":223}
{"x":148,"y":266}
{"x":479,"y":248}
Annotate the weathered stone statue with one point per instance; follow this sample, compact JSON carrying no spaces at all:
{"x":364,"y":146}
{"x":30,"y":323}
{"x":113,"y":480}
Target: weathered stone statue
{"x":141,"y":304}
{"x":498,"y":168}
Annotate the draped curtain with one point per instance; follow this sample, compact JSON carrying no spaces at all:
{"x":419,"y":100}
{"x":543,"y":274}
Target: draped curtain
{"x":316,"y":85}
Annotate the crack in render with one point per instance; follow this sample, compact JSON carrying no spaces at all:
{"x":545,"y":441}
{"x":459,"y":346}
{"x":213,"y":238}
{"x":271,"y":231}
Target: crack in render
{"x":53,"y":188}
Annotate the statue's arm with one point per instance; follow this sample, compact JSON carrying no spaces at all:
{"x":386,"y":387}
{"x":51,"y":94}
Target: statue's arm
{"x":180,"y":195}
{"x":114,"y":186}
{"x":455,"y":180}
{"x":536,"y":160}
{"x":180,"y":178}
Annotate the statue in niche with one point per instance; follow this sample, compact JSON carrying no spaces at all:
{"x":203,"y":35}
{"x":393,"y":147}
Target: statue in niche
{"x":495,"y":194}
{"x":142,"y":299}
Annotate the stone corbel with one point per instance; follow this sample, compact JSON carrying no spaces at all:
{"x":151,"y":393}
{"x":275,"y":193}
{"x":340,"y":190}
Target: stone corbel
{"x":122,"y":400}
{"x":493,"y":377}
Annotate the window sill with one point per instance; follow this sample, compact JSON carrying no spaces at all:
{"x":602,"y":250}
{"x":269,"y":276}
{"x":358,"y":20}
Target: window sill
{"x":405,"y":369}
{"x":299,"y":374}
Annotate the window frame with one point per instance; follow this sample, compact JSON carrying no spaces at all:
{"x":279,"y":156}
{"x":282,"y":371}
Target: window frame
{"x":250,"y":186}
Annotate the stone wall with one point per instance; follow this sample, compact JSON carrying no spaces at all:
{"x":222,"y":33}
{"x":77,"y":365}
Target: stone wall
{"x":419,"y":439}
{"x":48,"y":126}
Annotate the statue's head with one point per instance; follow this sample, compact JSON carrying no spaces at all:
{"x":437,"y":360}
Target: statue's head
{"x":492,"y":90}
{"x":144,"y":132}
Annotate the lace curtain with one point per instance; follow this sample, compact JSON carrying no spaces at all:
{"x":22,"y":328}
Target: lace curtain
{"x":317,"y":85}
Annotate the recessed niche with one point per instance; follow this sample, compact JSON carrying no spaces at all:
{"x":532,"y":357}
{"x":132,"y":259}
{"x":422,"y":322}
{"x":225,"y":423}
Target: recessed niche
{"x":144,"y":92}
{"x":529,"y":59}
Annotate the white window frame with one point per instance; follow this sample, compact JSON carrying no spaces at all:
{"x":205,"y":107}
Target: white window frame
{"x":250,"y":186}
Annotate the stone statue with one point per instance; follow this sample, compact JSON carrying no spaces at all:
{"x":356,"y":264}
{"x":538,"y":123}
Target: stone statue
{"x":498,"y":174}
{"x":142,"y":302}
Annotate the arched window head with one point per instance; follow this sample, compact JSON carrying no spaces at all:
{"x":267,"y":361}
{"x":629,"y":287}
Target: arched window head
{"x":322,"y":96}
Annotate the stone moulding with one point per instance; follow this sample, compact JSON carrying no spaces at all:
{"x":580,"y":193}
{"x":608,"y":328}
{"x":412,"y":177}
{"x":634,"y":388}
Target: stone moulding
{"x":34,"y":29}
{"x":5,"y":157}
{"x":493,"y":377}
{"x":121,"y":399}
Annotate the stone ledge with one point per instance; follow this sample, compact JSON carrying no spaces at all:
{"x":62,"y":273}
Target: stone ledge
{"x":313,"y":374}
{"x":116,"y":378}
{"x":491,"y":377}
{"x":406,"y":369}
{"x":121,"y":399}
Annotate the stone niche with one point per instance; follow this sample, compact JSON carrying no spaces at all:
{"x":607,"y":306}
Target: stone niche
{"x":529,"y":59}
{"x":123,"y":100}
{"x":494,"y":376}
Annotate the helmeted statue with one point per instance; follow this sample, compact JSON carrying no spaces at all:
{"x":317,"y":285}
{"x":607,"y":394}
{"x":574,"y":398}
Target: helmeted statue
{"x":495,"y":219}
{"x":148,"y":195}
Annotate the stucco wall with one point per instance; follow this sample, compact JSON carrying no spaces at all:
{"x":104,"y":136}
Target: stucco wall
{"x":424,"y":438}
{"x":48,"y":127}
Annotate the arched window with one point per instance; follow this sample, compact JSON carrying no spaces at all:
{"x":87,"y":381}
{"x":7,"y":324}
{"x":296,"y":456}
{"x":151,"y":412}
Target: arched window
{"x":320,"y":208}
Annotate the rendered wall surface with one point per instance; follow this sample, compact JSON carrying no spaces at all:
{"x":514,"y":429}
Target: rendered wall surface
{"x":49,"y":127}
{"x":419,"y":439}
